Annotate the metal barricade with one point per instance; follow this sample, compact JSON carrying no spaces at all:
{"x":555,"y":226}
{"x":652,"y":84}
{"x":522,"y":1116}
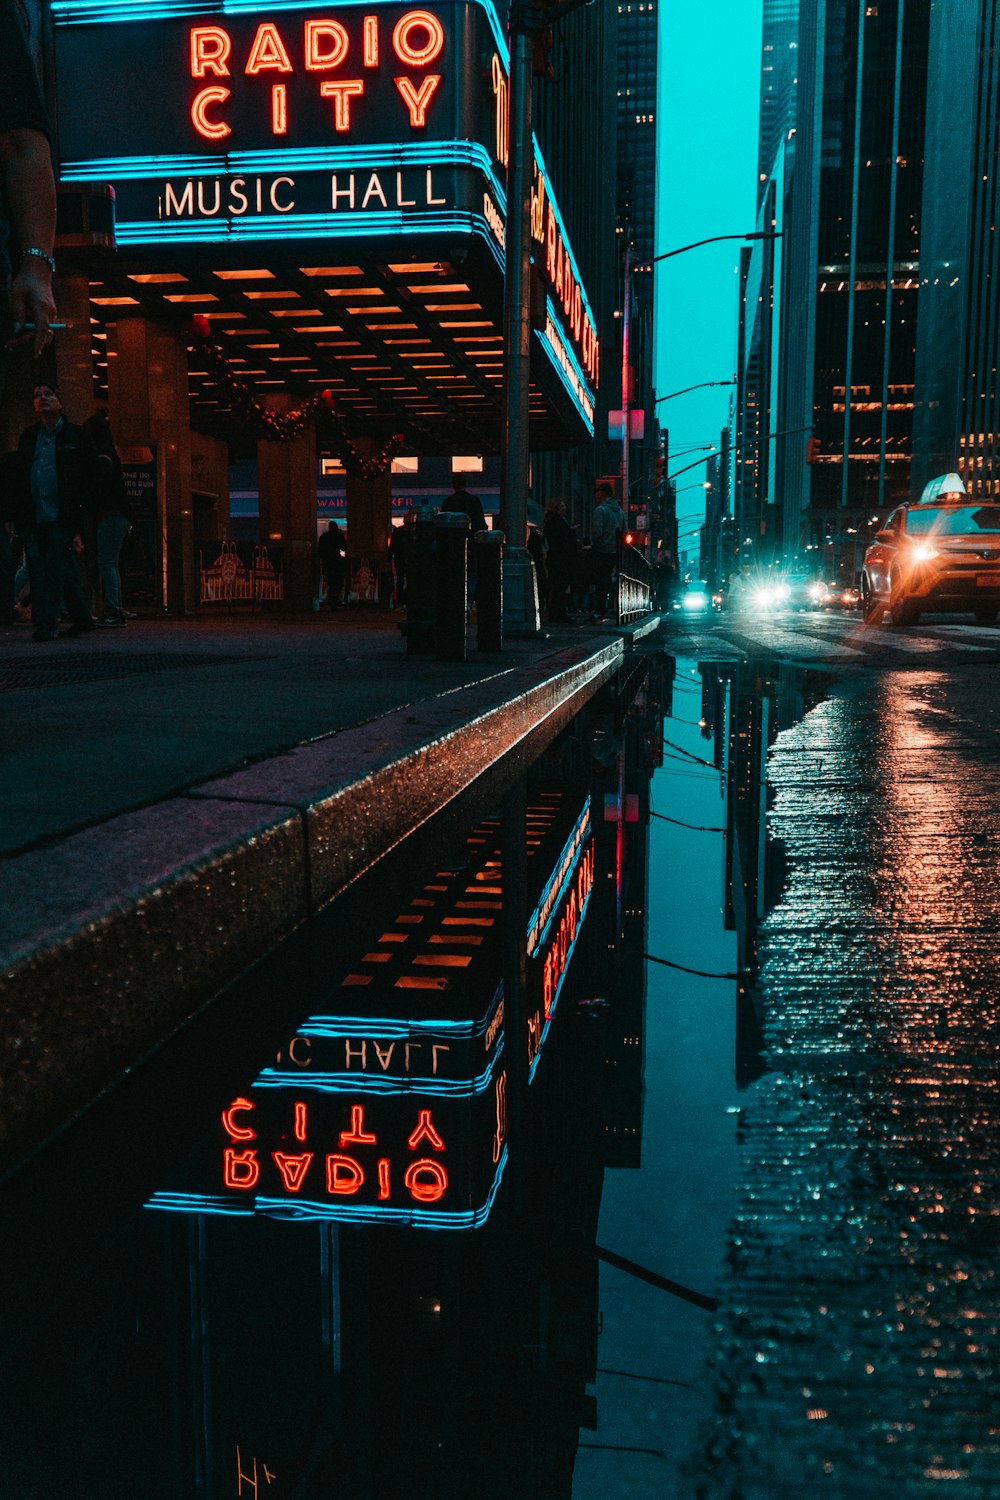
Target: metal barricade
{"x":635,"y":585}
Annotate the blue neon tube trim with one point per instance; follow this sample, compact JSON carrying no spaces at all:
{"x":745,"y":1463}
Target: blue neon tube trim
{"x":299,"y":227}
{"x":303,"y":159}
{"x":556,"y":364}
{"x":200,"y":1203}
{"x":290,"y":1208}
{"x":394,"y":1026}
{"x":323,"y":1082}
{"x":82,"y":12}
{"x":575,"y":836}
{"x":562,"y":227}
{"x":559,"y":987}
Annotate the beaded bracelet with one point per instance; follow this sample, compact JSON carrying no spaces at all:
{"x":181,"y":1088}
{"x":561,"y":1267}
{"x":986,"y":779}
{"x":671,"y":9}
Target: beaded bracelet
{"x":41,"y":255}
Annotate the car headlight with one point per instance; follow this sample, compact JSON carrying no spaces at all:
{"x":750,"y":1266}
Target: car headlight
{"x":764,"y":598}
{"x":694,"y":601}
{"x":816,"y":592}
{"x":923,"y":552}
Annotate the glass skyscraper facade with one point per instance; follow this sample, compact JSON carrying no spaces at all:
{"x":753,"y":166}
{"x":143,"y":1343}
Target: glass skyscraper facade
{"x":851,"y":251}
{"x":957,"y":416}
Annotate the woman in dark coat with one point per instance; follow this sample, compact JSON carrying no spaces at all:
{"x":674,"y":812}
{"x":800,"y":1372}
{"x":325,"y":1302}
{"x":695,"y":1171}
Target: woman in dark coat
{"x":563,"y":549}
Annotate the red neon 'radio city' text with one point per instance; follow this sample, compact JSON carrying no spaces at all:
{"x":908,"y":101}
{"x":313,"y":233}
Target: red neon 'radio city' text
{"x":416,"y":41}
{"x":341,"y":1173}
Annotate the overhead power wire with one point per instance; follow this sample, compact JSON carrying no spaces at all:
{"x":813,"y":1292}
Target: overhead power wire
{"x":694,"y":827}
{"x":699,"y":973}
{"x":690,"y":756}
{"x":697,"y":1299}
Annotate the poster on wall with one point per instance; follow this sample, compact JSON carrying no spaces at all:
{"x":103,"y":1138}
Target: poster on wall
{"x":140,"y":563}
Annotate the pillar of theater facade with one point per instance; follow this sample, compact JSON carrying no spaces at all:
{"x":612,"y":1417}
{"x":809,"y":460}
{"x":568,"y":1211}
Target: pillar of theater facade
{"x":74,"y":344}
{"x":369,"y":513}
{"x":149,"y":407}
{"x":286,"y":483}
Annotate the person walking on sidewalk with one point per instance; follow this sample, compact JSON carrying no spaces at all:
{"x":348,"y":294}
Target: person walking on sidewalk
{"x":563,"y":551}
{"x":462,"y":501}
{"x":605,"y":533}
{"x":332,"y":560}
{"x":114,"y":516}
{"x":55,"y":490}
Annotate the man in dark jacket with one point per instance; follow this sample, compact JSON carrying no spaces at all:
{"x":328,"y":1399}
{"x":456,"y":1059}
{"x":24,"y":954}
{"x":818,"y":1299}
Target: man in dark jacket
{"x":56,"y":480}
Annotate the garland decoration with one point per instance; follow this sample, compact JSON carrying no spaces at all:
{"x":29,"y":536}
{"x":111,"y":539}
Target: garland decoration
{"x":285,"y":427}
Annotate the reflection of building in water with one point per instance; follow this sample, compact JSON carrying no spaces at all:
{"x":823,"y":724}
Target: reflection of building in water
{"x":336,"y":1337}
{"x":639,"y":734}
{"x":358,"y":1351}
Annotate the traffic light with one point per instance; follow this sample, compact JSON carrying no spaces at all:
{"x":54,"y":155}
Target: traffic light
{"x":812,"y":450}
{"x":658,"y":471}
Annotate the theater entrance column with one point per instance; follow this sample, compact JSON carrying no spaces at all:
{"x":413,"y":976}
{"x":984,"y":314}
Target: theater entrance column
{"x":286,"y":482}
{"x":148,"y":402}
{"x":369,"y":512}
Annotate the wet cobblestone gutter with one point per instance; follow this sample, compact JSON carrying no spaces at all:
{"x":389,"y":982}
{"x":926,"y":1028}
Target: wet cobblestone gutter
{"x":857,"y":1337}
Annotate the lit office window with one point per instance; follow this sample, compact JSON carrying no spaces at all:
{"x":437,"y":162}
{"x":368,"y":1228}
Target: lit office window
{"x":467,"y":464}
{"x":405,"y":464}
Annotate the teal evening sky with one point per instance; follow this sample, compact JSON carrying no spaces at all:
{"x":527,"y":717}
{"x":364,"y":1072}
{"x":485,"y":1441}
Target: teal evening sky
{"x":708,"y":101}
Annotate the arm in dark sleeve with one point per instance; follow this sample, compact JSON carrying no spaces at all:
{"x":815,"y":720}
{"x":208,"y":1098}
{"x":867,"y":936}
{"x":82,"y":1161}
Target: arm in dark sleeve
{"x":21,"y":105}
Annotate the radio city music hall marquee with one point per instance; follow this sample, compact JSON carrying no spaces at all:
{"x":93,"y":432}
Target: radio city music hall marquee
{"x":285,"y":123}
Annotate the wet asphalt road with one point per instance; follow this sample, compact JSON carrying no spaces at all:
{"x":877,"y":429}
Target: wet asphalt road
{"x":856,"y":1344}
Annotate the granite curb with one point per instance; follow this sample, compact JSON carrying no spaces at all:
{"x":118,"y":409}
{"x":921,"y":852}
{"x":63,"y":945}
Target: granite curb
{"x":115,"y":935}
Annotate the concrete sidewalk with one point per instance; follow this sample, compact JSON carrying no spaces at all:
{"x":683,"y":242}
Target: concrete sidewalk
{"x":181,"y":795}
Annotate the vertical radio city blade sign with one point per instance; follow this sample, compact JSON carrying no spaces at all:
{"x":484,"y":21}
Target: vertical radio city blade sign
{"x":244,"y":123}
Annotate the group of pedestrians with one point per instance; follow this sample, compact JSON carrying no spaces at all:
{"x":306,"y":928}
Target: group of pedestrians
{"x":63,"y":498}
{"x":576,"y":578}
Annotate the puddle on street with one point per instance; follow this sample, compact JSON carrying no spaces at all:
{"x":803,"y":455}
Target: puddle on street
{"x":371,"y":1228}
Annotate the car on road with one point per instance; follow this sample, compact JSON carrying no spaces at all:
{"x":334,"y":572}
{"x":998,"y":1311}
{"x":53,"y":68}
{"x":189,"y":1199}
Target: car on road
{"x":695,"y":598}
{"x":844,"y":597}
{"x":941,"y":553}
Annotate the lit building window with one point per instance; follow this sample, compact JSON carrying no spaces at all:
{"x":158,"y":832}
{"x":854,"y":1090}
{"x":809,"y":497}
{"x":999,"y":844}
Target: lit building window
{"x":467,"y":464}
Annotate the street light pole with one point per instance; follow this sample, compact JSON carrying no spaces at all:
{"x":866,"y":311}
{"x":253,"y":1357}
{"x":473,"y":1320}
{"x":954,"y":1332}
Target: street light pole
{"x":700,"y":387}
{"x":756,"y":234}
{"x":626,"y":382}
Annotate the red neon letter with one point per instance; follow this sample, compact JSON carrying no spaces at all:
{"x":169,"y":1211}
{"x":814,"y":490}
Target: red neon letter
{"x":317,"y":32}
{"x":292,"y":1168}
{"x":210,"y":49}
{"x":268,"y":55}
{"x":341,"y":94}
{"x":357,"y":1134}
{"x":417,"y":20}
{"x":237,"y":1132}
{"x":279,"y":109}
{"x":371,"y":42}
{"x":417,"y":100}
{"x":211,"y":130}
{"x":300,"y":1122}
{"x":343,"y":1175}
{"x":383,"y":1179}
{"x":241,"y":1169}
{"x":434,"y":1183}
{"x":425,"y":1132}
